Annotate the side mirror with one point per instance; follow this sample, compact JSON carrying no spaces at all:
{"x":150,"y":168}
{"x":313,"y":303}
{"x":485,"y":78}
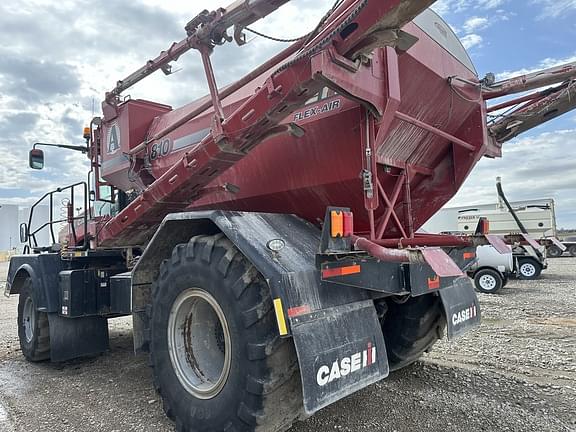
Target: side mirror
{"x":23,"y":233}
{"x":36,"y":159}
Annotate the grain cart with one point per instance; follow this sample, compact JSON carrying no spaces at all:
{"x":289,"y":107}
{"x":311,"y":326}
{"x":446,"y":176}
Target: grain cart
{"x":263,"y":238}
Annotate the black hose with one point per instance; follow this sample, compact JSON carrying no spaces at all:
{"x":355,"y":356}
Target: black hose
{"x":510,"y":209}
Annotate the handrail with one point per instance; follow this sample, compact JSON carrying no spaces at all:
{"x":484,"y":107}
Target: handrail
{"x":70,"y":219}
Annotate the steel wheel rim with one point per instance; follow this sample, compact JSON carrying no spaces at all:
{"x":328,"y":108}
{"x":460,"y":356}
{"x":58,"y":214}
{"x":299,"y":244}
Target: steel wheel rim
{"x":487,"y":282}
{"x":199,"y":343}
{"x":528,"y":269}
{"x":29,"y":319}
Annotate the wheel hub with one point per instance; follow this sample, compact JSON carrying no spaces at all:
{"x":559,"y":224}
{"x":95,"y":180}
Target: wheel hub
{"x":199,"y":343}
{"x":487,"y":282}
{"x":29,"y":319}
{"x":527,"y":269}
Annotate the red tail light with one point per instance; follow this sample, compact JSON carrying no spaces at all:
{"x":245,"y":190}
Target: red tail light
{"x":341,"y":224}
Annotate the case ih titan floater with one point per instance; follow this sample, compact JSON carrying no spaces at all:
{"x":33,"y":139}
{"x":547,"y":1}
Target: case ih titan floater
{"x":264,"y":238}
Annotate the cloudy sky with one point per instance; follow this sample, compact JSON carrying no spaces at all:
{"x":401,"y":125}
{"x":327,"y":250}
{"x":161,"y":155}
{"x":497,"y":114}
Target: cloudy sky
{"x":58,"y":58}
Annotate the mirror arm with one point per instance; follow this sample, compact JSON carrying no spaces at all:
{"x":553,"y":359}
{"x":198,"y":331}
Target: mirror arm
{"x":83,"y":149}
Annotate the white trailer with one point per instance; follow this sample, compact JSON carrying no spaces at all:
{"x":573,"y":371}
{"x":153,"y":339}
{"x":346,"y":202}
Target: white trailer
{"x":538,"y":217}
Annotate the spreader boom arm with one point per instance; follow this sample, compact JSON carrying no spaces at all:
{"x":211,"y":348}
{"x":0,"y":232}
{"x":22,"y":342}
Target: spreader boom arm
{"x":207,"y":29}
{"x":529,"y":111}
{"x":531,"y":81}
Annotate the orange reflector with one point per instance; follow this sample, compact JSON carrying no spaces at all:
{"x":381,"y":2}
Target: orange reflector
{"x":298,"y":310}
{"x":341,"y":271}
{"x":336,"y":223}
{"x":434,"y":282}
{"x":469,"y":255}
{"x":483,"y":226}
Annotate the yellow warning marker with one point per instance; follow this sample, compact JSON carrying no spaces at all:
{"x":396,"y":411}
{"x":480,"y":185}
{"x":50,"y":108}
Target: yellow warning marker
{"x":280,"y":319}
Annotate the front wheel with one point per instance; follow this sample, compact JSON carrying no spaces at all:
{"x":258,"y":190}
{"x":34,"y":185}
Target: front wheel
{"x":217,"y":359}
{"x":33,"y":328}
{"x":488,"y":281}
{"x":572,"y":250}
{"x":528,"y":269}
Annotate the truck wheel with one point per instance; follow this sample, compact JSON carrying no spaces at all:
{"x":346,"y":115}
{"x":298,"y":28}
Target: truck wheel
{"x":528,"y":269}
{"x":572,"y":250}
{"x":488,"y":281}
{"x":217,"y":359}
{"x":553,"y":252}
{"x":411,"y":328}
{"x":33,"y":328}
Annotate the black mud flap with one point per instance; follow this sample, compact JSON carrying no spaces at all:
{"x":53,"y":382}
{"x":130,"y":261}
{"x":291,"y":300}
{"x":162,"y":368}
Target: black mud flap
{"x":461,"y":307}
{"x":72,"y":338}
{"x":340,"y":350}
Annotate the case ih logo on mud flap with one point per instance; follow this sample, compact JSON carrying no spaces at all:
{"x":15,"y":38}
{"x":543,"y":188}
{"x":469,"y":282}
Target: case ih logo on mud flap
{"x":346,"y":365}
{"x":462,"y":318}
{"x":464,"y":315}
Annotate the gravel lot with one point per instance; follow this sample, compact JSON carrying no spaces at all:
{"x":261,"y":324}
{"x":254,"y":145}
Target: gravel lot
{"x":517,"y":372}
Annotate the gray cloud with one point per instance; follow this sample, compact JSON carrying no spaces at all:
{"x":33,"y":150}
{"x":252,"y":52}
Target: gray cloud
{"x":34,"y":80}
{"x":12,"y":125}
{"x":540,"y":166}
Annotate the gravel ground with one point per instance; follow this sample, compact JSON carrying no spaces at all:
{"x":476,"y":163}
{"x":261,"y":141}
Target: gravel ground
{"x":517,"y":372}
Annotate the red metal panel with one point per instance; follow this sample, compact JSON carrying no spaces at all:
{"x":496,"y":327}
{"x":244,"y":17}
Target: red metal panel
{"x":304,"y":175}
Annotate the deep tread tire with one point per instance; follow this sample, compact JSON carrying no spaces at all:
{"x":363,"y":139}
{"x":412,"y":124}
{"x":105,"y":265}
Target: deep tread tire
{"x":411,"y":328}
{"x":263,"y":390}
{"x":38,"y":348}
{"x":537,"y":269}
{"x":492,"y":275}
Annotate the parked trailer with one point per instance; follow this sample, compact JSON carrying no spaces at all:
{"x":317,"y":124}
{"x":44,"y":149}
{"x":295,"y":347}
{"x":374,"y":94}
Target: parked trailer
{"x":567,"y":244}
{"x":267,"y":278}
{"x":537,"y":215}
{"x":529,"y":219}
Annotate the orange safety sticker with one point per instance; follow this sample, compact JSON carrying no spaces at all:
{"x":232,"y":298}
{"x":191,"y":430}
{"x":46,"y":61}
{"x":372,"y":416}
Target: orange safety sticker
{"x":341,"y":271}
{"x":298,"y":310}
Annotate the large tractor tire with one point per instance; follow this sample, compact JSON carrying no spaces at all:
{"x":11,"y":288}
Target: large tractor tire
{"x":33,"y":328}
{"x":411,"y":328}
{"x":217,"y":359}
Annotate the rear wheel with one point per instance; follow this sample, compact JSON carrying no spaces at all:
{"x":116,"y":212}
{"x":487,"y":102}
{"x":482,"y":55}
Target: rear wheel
{"x":218,"y":361}
{"x":33,"y":329}
{"x":554,"y":252}
{"x":411,"y":328}
{"x":528,"y":269}
{"x":488,"y":281}
{"x":572,"y":250}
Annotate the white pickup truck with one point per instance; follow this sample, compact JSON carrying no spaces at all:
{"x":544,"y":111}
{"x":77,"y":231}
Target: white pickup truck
{"x":492,"y":269}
